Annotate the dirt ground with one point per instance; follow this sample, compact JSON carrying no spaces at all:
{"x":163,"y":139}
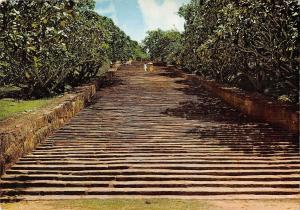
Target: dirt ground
{"x":154,"y":204}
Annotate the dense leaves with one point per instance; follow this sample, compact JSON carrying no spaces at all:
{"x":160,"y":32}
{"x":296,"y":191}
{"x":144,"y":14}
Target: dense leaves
{"x":162,"y":46}
{"x":249,"y":43}
{"x":48,"y":46}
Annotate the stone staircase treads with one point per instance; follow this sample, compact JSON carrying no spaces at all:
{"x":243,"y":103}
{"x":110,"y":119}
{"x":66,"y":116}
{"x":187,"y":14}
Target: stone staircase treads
{"x":155,"y":134}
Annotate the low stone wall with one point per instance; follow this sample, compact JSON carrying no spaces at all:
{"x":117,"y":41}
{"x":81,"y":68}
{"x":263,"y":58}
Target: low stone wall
{"x":254,"y":105}
{"x":21,"y":135}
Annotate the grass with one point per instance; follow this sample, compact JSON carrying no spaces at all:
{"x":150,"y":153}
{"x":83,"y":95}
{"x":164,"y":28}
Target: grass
{"x":153,"y":204}
{"x":134,"y":204}
{"x":111,"y":204}
{"x":12,"y":107}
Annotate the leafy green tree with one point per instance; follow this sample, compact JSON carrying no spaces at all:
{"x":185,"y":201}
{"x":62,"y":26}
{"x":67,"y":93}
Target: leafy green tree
{"x":34,"y":37}
{"x":138,"y":52}
{"x":48,"y":46}
{"x":162,"y":45}
{"x":249,"y":43}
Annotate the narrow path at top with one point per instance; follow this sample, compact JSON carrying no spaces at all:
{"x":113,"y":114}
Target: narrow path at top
{"x":156,"y":134}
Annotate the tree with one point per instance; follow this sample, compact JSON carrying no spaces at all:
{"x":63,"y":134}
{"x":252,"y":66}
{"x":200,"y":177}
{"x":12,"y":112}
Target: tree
{"x":162,"y":45}
{"x":49,"y":46}
{"x":251,"y":44}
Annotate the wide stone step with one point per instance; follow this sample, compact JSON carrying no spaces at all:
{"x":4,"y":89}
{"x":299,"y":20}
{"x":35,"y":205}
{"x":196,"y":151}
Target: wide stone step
{"x":150,"y":177}
{"x":202,"y":167}
{"x":164,"y":155}
{"x":62,"y":161}
{"x":208,"y":197}
{"x":69,"y":146}
{"x":146,"y":184}
{"x":191,"y":191}
{"x":71,"y":160}
{"x":158,"y":149}
{"x":170,"y":152}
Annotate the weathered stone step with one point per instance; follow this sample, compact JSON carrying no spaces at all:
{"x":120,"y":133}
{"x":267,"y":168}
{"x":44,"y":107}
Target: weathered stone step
{"x":208,"y":197}
{"x":190,"y":138}
{"x":166,"y":132}
{"x":159,"y":177}
{"x":149,"y":117}
{"x":103,"y":124}
{"x":5,"y":185}
{"x":170,"y":151}
{"x":201,"y":167}
{"x":191,"y":191}
{"x":75,"y":145}
{"x":127,"y":135}
{"x":139,"y":138}
{"x":153,"y":146}
{"x":137,"y":129}
{"x":142,"y":148}
{"x":173,"y":141}
{"x":62,"y":161}
{"x":164,"y":155}
{"x":167,"y":158}
{"x":224,"y":172}
{"x":134,"y":149}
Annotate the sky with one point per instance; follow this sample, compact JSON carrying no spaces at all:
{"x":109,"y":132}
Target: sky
{"x":136,"y":17}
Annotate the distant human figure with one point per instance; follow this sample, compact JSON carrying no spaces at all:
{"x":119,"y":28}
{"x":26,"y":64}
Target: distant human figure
{"x":145,"y":67}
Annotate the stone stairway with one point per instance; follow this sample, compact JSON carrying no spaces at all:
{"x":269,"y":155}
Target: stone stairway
{"x":156,"y":134}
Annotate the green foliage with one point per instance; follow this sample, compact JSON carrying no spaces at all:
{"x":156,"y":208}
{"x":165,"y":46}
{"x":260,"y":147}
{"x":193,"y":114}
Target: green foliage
{"x":163,"y":46}
{"x":50,"y":45}
{"x":138,"y":52}
{"x":252,"y":44}
{"x":121,"y":47}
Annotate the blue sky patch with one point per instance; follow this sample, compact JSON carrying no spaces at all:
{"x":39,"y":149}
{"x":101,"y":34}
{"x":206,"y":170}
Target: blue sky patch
{"x":136,"y":17}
